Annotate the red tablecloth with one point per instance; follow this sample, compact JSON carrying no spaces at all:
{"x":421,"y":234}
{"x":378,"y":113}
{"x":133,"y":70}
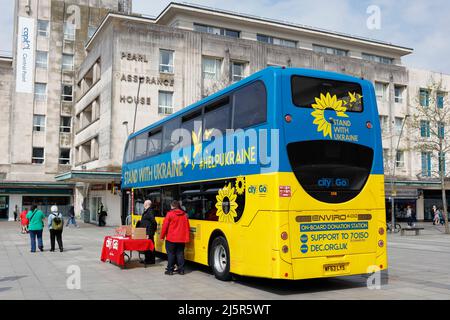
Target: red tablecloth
{"x":115,"y":247}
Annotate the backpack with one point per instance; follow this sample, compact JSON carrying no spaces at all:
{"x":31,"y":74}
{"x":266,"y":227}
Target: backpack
{"x":57,"y":223}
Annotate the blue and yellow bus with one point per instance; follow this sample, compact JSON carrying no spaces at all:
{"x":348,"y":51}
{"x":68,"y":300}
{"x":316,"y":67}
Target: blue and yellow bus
{"x":281,"y":175}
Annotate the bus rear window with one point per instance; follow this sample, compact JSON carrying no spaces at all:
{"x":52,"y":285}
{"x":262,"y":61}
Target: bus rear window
{"x":307,"y":91}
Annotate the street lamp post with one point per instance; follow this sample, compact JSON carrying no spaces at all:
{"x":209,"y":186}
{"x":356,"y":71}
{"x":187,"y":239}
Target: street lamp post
{"x":141,"y":79}
{"x":393,"y":175}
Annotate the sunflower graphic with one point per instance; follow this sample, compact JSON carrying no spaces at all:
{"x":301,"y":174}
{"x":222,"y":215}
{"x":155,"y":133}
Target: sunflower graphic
{"x":240,"y":185}
{"x":323,"y":103}
{"x":226,"y":204}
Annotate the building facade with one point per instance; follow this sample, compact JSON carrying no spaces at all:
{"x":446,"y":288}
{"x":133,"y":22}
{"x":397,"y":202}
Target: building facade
{"x":49,"y":39}
{"x":132,"y":71}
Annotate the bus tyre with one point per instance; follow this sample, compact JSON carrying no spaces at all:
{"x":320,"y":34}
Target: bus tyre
{"x":219,"y":257}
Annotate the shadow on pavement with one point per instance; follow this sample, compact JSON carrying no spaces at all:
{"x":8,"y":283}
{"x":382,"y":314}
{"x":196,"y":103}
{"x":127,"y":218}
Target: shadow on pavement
{"x":5,"y":289}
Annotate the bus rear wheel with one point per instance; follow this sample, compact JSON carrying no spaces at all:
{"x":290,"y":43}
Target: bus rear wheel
{"x":219,"y":257}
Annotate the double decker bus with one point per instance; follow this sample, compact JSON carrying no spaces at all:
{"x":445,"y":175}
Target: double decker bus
{"x":281,"y":175}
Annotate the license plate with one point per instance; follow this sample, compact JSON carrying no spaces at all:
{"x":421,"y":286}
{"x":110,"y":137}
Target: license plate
{"x":335,"y":268}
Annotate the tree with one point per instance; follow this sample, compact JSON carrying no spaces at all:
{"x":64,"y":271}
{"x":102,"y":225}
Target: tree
{"x":430,"y":121}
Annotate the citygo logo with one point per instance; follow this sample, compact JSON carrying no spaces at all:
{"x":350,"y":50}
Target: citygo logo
{"x":257,"y":189}
{"x":333,"y":182}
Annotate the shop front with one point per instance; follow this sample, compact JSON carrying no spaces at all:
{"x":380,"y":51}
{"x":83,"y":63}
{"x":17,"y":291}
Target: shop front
{"x":16,"y":197}
{"x":403,"y":197}
{"x":97,"y":196}
{"x":434,"y":198}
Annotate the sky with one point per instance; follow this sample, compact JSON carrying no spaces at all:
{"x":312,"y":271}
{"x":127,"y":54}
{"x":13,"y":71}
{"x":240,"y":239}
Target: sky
{"x":419,"y":24}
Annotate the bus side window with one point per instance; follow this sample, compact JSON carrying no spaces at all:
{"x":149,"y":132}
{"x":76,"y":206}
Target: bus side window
{"x":129,"y":152}
{"x":218,"y":116}
{"x":168,"y":195}
{"x":154,"y":143}
{"x":250,"y":105}
{"x":141,"y":146}
{"x":191,"y":123}
{"x":170,"y":140}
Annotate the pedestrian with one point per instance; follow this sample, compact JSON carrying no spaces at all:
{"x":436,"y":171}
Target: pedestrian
{"x":24,"y":221}
{"x":71,"y":219}
{"x":102,"y":216}
{"x":35,"y":226}
{"x":55,"y":226}
{"x":16,"y":210}
{"x":409,"y":216}
{"x":436,"y":217}
{"x":149,"y":223}
{"x":175,"y":230}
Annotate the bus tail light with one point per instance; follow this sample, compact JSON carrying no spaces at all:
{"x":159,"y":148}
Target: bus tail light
{"x":381,"y":243}
{"x":285,"y":249}
{"x":288,"y":118}
{"x":284,"y":235}
{"x":381,"y":231}
{"x":369,"y":125}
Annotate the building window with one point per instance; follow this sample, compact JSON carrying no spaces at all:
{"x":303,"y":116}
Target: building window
{"x":41,"y":59}
{"x":398,"y":90}
{"x":400,"y":159}
{"x":398,"y":125}
{"x":64,"y":156}
{"x":38,"y":122}
{"x":276,"y":41}
{"x":43,"y":28}
{"x":440,"y":100}
{"x":165,"y":61}
{"x":426,"y":164}
{"x":69,"y":31}
{"x":384,"y":123}
{"x":91,"y":31}
{"x":38,"y":155}
{"x":381,"y":90}
{"x":441,"y":130}
{"x":376,"y":58}
{"x":424,"y":129}
{"x":67,"y":62}
{"x":165,"y":102}
{"x":216,"y":30}
{"x":424,"y":97}
{"x":67,"y":93}
{"x":330,"y":50}
{"x":237,"y":71}
{"x":40,"y":91}
{"x":442,"y":167}
{"x":211,"y":68}
{"x":65,"y":124}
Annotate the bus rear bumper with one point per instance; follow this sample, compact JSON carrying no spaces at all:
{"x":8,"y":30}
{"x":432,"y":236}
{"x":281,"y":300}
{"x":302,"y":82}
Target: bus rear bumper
{"x":326,"y":267}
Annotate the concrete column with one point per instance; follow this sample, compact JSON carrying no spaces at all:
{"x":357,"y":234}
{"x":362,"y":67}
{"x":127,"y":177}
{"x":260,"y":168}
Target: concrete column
{"x":14,"y":200}
{"x":420,"y":210}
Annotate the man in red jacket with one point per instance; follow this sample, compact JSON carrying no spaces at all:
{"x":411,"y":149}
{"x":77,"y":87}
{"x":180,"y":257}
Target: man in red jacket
{"x":176,"y":231}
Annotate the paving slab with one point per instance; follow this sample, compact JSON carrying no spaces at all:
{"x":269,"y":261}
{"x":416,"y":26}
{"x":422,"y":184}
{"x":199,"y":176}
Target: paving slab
{"x":419,"y":268}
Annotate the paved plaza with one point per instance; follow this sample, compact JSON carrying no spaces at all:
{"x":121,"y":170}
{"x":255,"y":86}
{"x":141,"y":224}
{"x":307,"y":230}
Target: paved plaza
{"x":419,"y":268}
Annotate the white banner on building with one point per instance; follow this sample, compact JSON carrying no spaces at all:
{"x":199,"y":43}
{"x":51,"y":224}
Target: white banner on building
{"x":25,"y":55}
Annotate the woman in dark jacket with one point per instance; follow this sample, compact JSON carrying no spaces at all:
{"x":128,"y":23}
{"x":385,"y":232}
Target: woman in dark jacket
{"x":148,"y":221}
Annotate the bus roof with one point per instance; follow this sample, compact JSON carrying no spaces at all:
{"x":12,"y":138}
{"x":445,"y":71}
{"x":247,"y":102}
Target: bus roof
{"x":256,"y":75}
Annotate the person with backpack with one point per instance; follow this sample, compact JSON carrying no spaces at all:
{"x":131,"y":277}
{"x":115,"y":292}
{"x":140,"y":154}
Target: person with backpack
{"x":175,"y":230}
{"x":55,"y":226}
{"x":71,"y":219}
{"x":35,"y":227}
